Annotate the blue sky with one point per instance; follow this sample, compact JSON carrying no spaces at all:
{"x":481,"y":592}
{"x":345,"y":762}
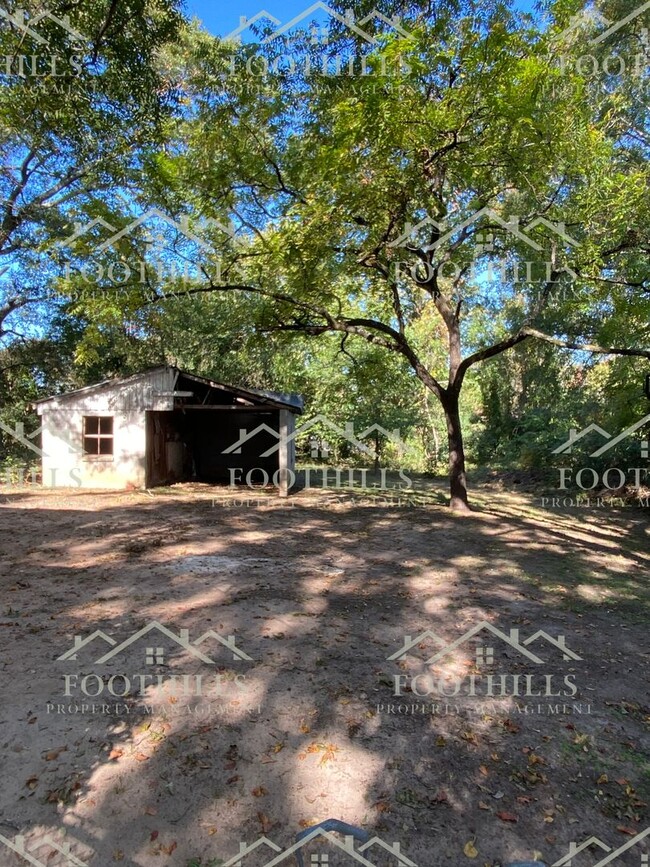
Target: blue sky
{"x":220,"y":18}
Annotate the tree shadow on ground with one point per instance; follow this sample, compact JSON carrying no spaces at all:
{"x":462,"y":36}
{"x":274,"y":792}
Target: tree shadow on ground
{"x":319,"y":596}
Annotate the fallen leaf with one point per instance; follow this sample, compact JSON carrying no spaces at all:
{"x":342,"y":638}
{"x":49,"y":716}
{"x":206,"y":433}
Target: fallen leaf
{"x":150,"y":811}
{"x":470,"y":849}
{"x":54,"y":754}
{"x":116,"y":753}
{"x":631,"y":831}
{"x":483,"y":770}
{"x":507,"y":817}
{"x":259,"y":791}
{"x":265,"y":822}
{"x":140,"y":757}
{"x":603,"y":778}
{"x":31,"y":783}
{"x":483,"y":806}
{"x":232,"y":779}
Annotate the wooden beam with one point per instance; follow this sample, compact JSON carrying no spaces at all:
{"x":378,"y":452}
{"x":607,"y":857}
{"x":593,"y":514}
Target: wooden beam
{"x":216,"y":408}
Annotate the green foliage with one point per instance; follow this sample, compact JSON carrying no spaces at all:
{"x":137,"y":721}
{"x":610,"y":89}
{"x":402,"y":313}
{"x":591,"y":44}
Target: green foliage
{"x":342,"y":190}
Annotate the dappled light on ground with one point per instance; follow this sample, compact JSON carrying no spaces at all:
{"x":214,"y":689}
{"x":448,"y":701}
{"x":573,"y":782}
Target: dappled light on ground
{"x":320,"y":696}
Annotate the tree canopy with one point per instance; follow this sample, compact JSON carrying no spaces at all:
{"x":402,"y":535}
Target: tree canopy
{"x":459,"y":186}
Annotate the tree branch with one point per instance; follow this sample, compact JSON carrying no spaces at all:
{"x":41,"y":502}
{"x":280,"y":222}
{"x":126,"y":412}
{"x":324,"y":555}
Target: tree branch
{"x":584,"y":347}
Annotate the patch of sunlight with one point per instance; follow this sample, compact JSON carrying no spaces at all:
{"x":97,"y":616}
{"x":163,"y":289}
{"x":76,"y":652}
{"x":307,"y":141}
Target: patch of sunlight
{"x":333,"y":777}
{"x":292,"y":622}
{"x":592,"y":594}
{"x":436,"y":603}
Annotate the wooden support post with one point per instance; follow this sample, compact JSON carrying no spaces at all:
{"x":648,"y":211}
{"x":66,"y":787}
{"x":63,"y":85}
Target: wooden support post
{"x":287,"y":452}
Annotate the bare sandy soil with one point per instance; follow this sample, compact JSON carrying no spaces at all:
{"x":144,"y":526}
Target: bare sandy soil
{"x":297,"y":720}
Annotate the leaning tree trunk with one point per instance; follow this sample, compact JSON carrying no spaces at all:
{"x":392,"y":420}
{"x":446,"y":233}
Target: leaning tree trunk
{"x":457,"y":476}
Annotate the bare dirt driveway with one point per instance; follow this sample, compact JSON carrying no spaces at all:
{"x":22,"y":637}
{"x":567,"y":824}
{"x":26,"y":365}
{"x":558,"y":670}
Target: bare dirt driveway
{"x":236,"y":680}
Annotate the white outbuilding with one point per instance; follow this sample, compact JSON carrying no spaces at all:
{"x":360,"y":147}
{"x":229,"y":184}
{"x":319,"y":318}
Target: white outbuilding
{"x":165,"y":425}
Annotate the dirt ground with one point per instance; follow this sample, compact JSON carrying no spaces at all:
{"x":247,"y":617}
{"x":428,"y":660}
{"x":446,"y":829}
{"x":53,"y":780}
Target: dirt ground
{"x":297,"y":720}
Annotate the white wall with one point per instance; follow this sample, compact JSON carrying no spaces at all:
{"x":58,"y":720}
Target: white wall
{"x":65,"y":465}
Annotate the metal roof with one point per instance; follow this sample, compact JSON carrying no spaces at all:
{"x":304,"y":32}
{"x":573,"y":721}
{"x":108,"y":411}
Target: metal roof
{"x":293,"y":402}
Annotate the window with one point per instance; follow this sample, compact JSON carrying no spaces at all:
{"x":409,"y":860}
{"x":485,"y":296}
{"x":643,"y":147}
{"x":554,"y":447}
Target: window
{"x":98,"y":435}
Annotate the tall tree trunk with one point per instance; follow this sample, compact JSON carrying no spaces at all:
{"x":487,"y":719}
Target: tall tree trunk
{"x":457,"y":476}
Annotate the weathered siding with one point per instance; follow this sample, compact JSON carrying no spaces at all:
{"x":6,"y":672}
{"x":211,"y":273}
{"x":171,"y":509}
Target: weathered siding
{"x":65,"y":465}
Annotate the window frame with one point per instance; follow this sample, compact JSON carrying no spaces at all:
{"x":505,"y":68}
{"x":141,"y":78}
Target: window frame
{"x":98,"y":437}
